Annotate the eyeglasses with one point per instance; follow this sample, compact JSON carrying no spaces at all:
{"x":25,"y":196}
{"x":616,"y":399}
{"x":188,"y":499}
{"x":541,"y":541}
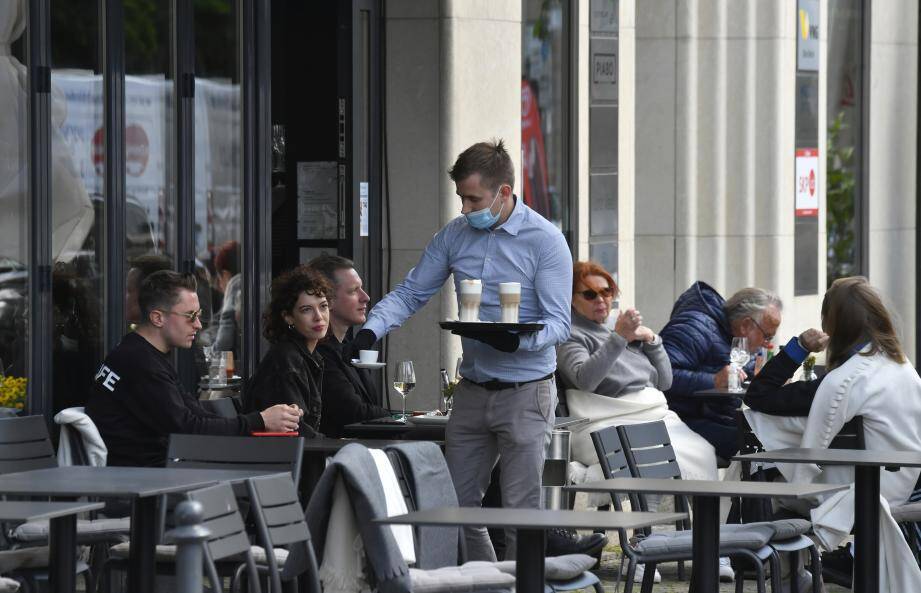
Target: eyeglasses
{"x":192,"y":316}
{"x":767,"y":337}
{"x":591,"y":295}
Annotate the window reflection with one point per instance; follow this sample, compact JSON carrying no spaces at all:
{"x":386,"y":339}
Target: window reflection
{"x":14,"y":195}
{"x":543,"y":116}
{"x":78,"y":212}
{"x":218,"y":177}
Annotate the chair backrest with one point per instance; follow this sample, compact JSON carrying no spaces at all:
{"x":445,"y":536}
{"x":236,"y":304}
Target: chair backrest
{"x":280,"y":522}
{"x":649,"y":450}
{"x":25,"y":444}
{"x":228,"y":536}
{"x":223,"y":452}
{"x":850,"y":436}
{"x":613,"y":463}
{"x":222,"y":406}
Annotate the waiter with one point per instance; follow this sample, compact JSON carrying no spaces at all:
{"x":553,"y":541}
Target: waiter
{"x":505,"y":405}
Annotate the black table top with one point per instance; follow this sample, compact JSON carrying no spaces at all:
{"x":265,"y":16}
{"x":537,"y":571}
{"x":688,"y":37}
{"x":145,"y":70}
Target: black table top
{"x":329,"y":445}
{"x":532,"y":518}
{"x":28,"y":511}
{"x":715,"y":393}
{"x":126,"y":482}
{"x":707,"y":487}
{"x":838,"y":457}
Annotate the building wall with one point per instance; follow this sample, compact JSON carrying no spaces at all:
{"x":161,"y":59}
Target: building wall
{"x":893,"y":158}
{"x":453,"y":79}
{"x":715,"y":84}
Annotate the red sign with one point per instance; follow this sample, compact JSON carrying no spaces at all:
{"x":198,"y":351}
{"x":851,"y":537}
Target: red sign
{"x":807,"y":195}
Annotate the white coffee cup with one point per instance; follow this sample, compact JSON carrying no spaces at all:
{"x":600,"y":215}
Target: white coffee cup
{"x":471,"y":292}
{"x":510,"y":299}
{"x":367,"y":356}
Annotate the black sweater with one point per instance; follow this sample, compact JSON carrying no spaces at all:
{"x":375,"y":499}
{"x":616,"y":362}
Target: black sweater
{"x":768,"y":393}
{"x":137,"y":402}
{"x":349,"y":394}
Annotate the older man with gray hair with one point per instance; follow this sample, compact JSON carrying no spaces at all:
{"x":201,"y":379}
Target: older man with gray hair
{"x":697,"y":339}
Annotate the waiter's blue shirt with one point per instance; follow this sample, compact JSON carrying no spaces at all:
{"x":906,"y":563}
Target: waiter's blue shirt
{"x":528,"y":249}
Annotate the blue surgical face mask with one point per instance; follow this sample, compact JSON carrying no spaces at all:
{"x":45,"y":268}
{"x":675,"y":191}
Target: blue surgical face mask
{"x":484,"y":219}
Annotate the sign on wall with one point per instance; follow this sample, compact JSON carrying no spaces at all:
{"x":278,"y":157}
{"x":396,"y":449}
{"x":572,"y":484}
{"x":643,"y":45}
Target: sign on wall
{"x":807,"y":171}
{"x":807,"y":36}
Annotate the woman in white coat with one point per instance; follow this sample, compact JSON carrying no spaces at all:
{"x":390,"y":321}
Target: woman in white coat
{"x":870,"y":377}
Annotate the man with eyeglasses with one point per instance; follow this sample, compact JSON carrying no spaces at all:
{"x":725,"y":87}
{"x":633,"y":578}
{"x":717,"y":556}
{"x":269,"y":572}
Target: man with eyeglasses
{"x":137,"y":400}
{"x":697,"y":339}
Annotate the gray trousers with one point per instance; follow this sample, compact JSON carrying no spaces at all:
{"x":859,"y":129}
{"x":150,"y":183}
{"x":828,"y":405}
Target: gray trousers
{"x":512,"y":426}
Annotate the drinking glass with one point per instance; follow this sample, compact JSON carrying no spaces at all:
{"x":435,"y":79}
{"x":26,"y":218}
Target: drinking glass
{"x":404,"y":381}
{"x":739,"y":357}
{"x":457,"y":375}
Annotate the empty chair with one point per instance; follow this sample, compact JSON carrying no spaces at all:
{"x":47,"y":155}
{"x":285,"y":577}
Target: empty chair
{"x":280,"y":526}
{"x":227,"y":549}
{"x":649,"y":454}
{"x":231,"y":452}
{"x":675,"y":546}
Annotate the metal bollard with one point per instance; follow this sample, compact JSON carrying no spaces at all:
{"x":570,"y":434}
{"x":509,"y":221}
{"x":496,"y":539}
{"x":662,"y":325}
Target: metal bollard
{"x":556,"y":471}
{"x":189,"y":536}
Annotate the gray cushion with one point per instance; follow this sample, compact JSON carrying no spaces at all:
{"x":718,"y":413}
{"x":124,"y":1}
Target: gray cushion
{"x":87,"y":531}
{"x":167,"y":553}
{"x":472,"y":576}
{"x":783,"y":528}
{"x":556,"y":568}
{"x":906,"y":512}
{"x":748,"y":537}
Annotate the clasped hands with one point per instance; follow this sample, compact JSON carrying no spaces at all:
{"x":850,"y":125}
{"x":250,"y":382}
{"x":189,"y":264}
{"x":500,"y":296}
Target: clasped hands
{"x":629,"y":326}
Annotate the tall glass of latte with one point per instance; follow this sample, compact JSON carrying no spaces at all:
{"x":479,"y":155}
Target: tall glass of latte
{"x":509,"y":299}
{"x":471,"y":291}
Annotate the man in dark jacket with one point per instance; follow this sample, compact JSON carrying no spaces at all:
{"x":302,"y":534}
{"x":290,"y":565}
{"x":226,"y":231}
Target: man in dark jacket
{"x":697,"y":339}
{"x":349,"y":394}
{"x":137,"y":400}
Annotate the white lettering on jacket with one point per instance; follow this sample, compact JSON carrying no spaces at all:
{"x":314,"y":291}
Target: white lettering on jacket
{"x":110,"y":378}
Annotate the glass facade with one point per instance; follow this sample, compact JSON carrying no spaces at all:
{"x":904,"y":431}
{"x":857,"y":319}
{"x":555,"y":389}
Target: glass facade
{"x":845,"y":108}
{"x":14,"y":197}
{"x":544,"y":109}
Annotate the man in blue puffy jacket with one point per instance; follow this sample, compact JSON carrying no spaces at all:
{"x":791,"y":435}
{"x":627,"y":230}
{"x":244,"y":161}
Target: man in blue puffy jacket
{"x":697,"y":339}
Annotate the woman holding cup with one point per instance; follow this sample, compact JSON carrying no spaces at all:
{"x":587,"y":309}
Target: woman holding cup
{"x":292,"y":372}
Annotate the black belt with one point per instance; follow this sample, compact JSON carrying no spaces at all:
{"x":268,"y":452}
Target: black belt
{"x":494,"y":385}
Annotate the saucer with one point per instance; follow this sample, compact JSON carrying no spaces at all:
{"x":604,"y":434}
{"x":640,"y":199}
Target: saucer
{"x":367,"y":365}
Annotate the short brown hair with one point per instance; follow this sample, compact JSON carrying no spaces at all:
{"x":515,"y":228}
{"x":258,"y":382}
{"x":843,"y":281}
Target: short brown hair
{"x":581,"y":269}
{"x":160,"y":291}
{"x":853,"y":313}
{"x":327,"y":264}
{"x":286,"y":289}
{"x":490,"y":160}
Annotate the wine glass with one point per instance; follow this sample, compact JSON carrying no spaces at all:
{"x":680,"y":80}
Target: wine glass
{"x":739,"y":357}
{"x":404,"y":382}
{"x":457,"y":375}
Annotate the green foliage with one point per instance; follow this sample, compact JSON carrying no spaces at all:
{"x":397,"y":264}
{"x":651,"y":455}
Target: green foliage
{"x":841,"y":187}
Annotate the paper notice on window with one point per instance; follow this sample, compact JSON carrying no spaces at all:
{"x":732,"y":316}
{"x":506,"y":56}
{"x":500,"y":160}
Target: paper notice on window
{"x":363,"y":206}
{"x":317,"y":211}
{"x":807,"y":170}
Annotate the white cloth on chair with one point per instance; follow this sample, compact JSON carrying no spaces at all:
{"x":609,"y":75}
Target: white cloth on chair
{"x":75,"y":419}
{"x":696,"y":456}
{"x":393,"y":495}
{"x":342,"y":569}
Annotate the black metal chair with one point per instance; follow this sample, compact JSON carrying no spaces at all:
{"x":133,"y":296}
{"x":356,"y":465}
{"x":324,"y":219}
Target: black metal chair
{"x":228,"y":452}
{"x":280,"y":525}
{"x":614,"y":464}
{"x":227,"y":549}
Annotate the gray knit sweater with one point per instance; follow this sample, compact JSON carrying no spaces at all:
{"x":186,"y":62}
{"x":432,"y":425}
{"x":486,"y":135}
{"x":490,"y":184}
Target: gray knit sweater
{"x":598,"y":360}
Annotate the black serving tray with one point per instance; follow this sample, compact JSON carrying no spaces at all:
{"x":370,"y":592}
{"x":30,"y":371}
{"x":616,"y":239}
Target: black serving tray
{"x":491,"y":326}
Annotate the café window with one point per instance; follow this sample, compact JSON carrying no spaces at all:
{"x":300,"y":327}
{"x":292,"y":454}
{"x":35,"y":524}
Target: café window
{"x":545,"y":109}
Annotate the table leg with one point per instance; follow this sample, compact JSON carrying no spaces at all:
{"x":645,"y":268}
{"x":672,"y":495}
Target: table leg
{"x":529,"y":568}
{"x":62,"y":568}
{"x":705,"y":542}
{"x":866,"y":529}
{"x":141,"y":565}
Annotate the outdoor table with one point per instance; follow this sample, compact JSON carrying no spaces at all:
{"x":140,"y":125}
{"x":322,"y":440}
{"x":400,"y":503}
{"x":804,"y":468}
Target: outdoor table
{"x":717,"y":393}
{"x":866,"y":496}
{"x":143,"y":485}
{"x":705,"y":535}
{"x":62,"y":533}
{"x":532,"y":526}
